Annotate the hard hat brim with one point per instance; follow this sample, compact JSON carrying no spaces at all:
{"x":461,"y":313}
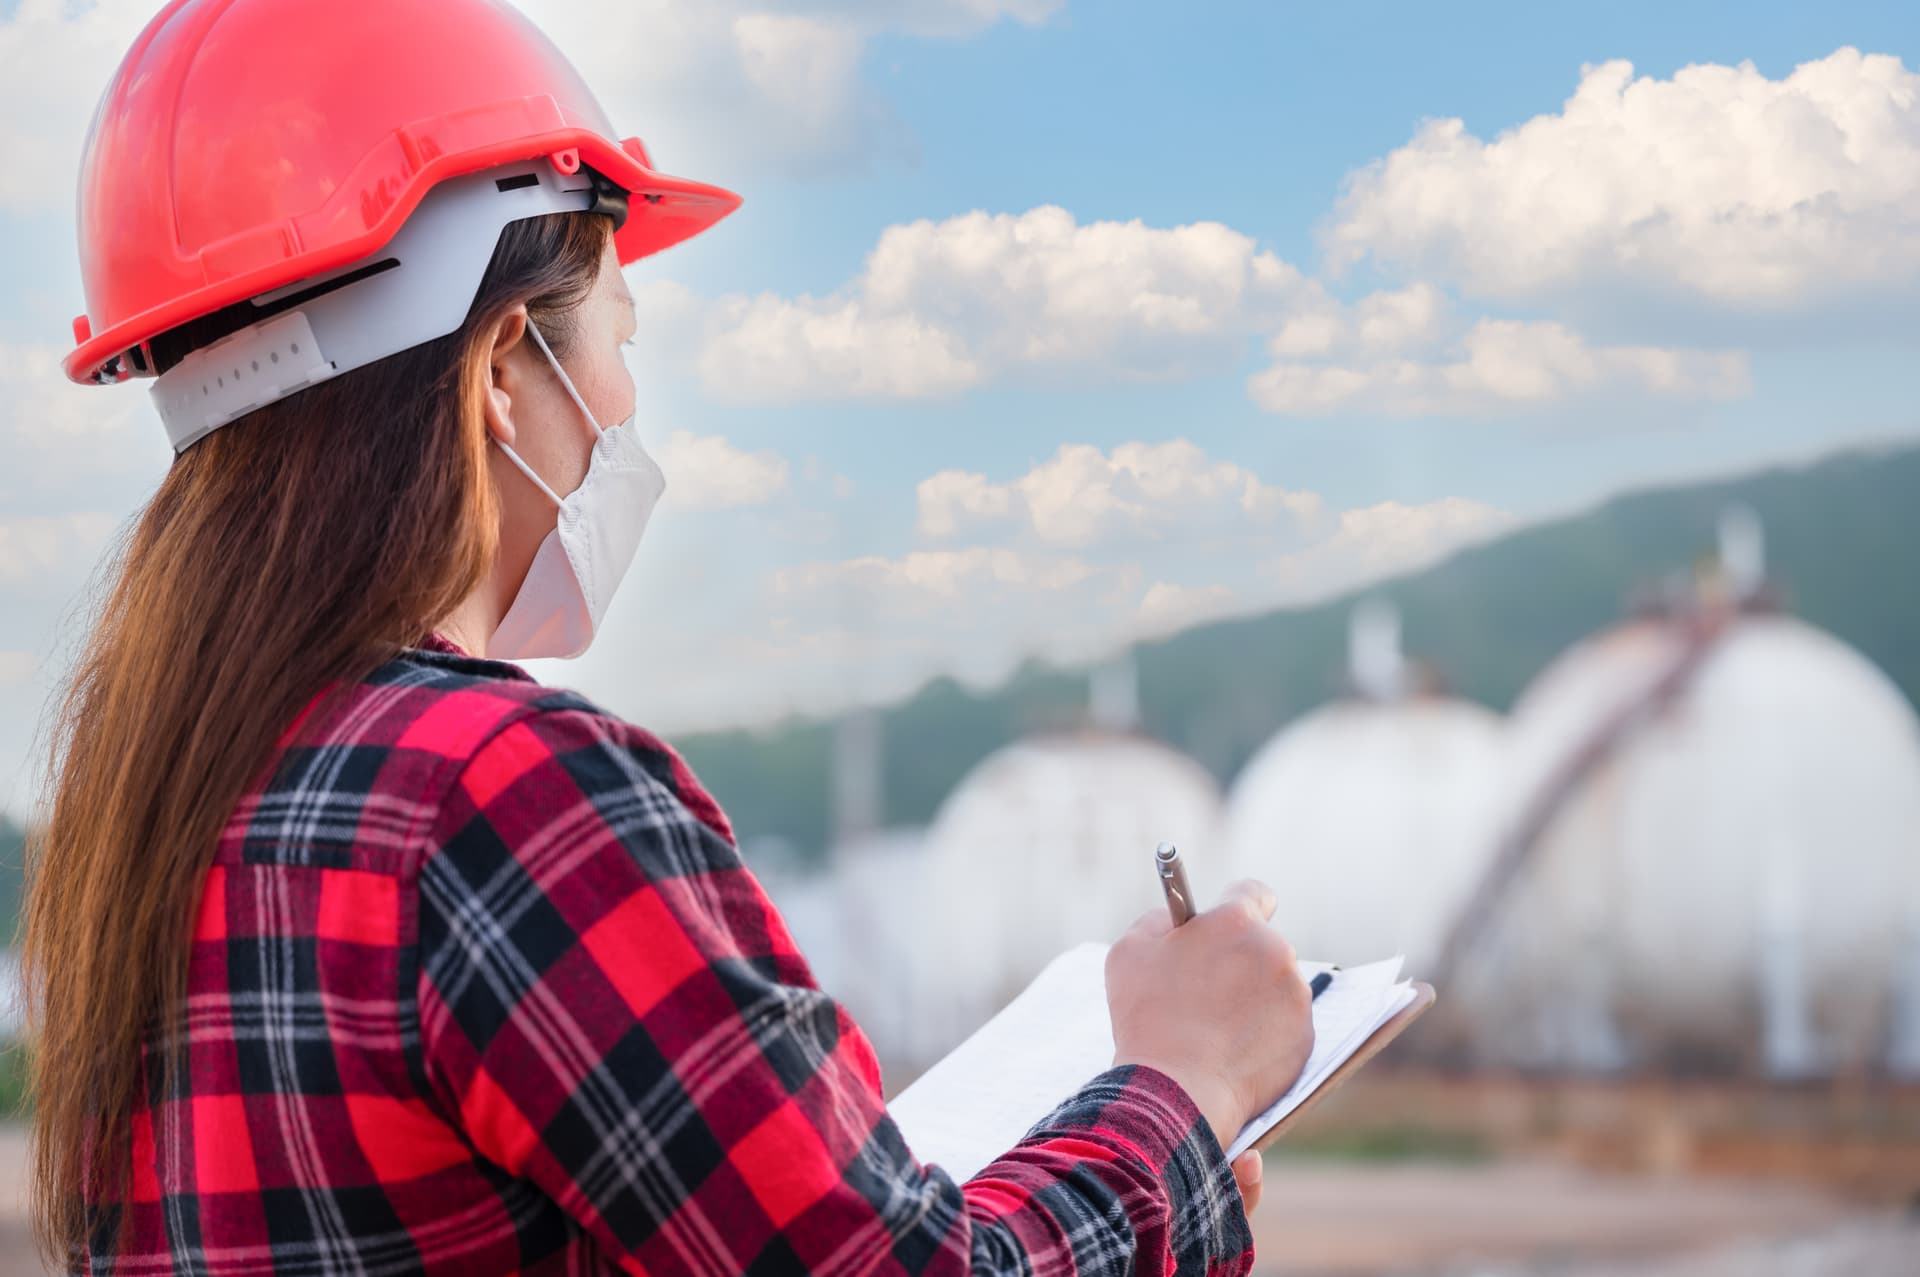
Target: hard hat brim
{"x":663,"y":211}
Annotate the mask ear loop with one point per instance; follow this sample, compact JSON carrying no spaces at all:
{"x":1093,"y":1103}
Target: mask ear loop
{"x":533,"y":331}
{"x":527,"y":470}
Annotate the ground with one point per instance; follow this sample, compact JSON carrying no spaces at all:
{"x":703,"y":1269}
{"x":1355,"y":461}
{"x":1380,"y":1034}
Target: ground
{"x":1530,"y":1219}
{"x":1513,"y":1218}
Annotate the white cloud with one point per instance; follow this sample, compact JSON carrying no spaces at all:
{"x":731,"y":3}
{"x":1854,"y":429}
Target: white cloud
{"x":1719,"y":183}
{"x":876,"y":626}
{"x":954,"y":499}
{"x":1380,"y":323}
{"x":798,"y":63}
{"x":933,"y":574}
{"x":706,"y":472}
{"x":1378,"y":541}
{"x":942,"y":306}
{"x":1496,"y":365}
{"x":1167,"y":608}
{"x":882,"y":623}
{"x":879,"y":625}
{"x":1083,"y":496}
{"x":769,"y":348}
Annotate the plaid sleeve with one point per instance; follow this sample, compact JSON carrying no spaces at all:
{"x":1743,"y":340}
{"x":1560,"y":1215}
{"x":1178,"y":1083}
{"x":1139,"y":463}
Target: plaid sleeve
{"x":615,"y":1012}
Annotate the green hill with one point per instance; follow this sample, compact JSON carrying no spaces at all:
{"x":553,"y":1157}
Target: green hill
{"x":1839,"y":534}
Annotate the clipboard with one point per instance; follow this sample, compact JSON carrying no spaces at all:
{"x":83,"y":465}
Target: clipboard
{"x":1422,"y":999}
{"x":985,"y":1095}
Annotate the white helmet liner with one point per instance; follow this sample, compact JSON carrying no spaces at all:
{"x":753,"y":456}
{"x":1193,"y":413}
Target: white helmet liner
{"x":417,"y":287}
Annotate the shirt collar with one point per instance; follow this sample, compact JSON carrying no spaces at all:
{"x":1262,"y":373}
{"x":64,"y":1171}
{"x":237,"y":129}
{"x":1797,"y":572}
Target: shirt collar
{"x":438,"y":642}
{"x":439,"y":645}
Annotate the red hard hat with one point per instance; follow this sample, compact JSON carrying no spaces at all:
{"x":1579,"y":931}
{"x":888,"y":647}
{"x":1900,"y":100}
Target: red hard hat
{"x":245,"y":145}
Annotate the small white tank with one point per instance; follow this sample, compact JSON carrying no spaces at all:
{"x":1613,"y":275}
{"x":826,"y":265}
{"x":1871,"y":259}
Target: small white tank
{"x":1370,"y":816}
{"x":1045,"y":844}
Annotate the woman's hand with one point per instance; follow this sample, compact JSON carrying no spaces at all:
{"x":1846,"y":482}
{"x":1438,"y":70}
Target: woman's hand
{"x":1218,"y":1005}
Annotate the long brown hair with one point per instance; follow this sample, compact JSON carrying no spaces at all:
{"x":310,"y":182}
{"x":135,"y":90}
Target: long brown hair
{"x":284,"y":555}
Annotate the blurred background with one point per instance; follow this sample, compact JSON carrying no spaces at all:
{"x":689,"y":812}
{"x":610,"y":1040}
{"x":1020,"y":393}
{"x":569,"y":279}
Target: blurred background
{"x":1663,"y":871}
{"x":1456,"y":463}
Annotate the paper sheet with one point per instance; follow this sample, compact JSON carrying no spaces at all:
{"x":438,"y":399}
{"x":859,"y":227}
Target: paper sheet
{"x":1054,"y":1038}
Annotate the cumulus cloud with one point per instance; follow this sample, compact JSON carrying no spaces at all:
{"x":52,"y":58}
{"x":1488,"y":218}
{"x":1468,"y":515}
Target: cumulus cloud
{"x":973,"y":613}
{"x":1387,"y":322}
{"x":706,"y":472}
{"x":1405,"y":354}
{"x":887,"y":623}
{"x":1396,"y":535}
{"x":770,"y":348}
{"x":942,"y":306}
{"x":1167,"y":608}
{"x":979,"y":608}
{"x":1718,"y":183}
{"x":956,"y":499}
{"x":1375,"y":542}
{"x":941,"y":574}
{"x":1084,"y":495}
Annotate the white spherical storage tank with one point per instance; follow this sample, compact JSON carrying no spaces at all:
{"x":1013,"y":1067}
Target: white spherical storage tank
{"x":1733,"y":884}
{"x":1371,"y":820}
{"x":1047,"y":843}
{"x":1369,"y":817}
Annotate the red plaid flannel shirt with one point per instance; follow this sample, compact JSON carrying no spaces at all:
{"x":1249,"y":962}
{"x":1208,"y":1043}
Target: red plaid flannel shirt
{"x":479,"y":985}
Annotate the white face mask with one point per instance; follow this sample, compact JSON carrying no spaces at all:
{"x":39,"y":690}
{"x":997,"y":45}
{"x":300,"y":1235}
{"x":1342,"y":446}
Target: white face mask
{"x":579,"y":565}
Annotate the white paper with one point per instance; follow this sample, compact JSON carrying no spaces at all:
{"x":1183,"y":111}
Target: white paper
{"x":983,"y":1098}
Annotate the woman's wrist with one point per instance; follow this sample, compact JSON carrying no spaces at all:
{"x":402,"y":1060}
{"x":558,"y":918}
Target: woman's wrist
{"x":1215,"y":1099}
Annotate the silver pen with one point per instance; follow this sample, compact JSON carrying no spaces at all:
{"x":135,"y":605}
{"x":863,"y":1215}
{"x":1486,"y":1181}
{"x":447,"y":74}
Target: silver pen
{"x":1173,"y":881}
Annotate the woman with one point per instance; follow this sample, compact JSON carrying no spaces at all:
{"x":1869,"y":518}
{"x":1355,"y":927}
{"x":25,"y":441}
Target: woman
{"x":352,"y":949}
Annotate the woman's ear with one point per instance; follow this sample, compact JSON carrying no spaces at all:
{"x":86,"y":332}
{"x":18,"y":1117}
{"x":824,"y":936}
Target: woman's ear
{"x":503,"y":374}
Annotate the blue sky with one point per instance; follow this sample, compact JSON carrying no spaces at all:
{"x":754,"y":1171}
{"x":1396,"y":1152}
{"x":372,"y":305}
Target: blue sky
{"x":1289,"y":337}
{"x":1253,"y":114}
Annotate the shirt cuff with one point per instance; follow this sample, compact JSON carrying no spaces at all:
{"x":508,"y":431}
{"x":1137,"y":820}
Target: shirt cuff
{"x":1146,"y":1111}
